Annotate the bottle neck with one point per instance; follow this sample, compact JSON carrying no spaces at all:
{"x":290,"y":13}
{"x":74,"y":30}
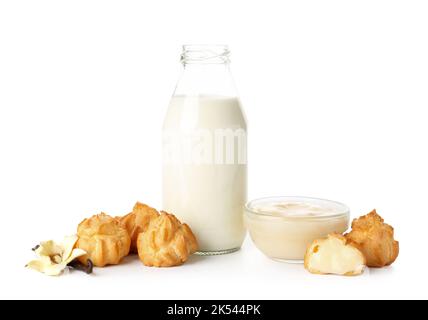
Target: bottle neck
{"x":206,"y":72}
{"x":205,"y":54}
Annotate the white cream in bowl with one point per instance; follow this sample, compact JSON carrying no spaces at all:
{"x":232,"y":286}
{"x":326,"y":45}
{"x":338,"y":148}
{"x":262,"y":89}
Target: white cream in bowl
{"x":283,"y":227}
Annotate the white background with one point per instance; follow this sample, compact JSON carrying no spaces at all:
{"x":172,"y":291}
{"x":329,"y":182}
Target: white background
{"x":336,"y":97}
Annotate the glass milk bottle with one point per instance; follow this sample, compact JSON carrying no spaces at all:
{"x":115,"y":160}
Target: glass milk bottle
{"x":205,"y":151}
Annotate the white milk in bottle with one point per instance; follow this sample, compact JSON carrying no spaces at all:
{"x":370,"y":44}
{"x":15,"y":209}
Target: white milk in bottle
{"x":205,"y":151}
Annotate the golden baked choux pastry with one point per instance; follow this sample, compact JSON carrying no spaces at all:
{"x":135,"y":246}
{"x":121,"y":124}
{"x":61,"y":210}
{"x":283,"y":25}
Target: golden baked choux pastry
{"x":104,"y":239}
{"x":375,"y":239}
{"x":137,"y":221}
{"x":167,"y":242}
{"x":334,"y":255}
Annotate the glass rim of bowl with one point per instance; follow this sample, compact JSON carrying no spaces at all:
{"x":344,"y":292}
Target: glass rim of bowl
{"x":344,"y":212}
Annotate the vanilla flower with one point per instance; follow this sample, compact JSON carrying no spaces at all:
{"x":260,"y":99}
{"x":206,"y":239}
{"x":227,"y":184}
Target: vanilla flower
{"x":53,"y":257}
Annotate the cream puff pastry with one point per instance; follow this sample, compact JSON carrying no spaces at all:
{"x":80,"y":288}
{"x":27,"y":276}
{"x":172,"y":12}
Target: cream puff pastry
{"x":104,"y":239}
{"x":167,"y":242}
{"x":137,"y":221}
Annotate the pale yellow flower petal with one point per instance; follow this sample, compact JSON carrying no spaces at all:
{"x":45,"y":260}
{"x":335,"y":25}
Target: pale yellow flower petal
{"x":40,"y":265}
{"x":45,"y":265}
{"x":55,"y":269}
{"x":75,"y":254}
{"x":67,"y":246}
{"x":49,"y":248}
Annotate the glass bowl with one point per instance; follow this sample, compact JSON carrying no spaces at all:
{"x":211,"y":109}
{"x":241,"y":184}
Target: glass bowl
{"x":283,"y":227}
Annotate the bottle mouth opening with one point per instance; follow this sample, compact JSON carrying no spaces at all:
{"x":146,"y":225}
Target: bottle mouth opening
{"x":205,"y":54}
